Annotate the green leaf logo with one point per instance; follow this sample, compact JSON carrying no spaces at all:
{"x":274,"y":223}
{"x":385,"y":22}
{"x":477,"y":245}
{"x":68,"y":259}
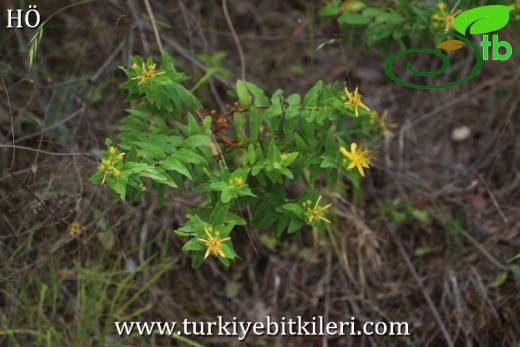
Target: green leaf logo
{"x":485,"y":19}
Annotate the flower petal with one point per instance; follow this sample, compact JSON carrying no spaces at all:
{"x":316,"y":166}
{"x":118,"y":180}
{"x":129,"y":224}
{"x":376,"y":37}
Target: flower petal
{"x":360,"y":169}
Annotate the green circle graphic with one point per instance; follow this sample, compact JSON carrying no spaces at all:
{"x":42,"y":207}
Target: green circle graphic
{"x":445,"y":64}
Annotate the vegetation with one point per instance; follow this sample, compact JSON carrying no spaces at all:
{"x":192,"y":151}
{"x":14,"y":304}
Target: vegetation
{"x":298,"y":179}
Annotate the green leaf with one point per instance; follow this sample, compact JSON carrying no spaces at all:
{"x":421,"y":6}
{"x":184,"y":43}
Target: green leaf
{"x":336,"y":103}
{"x":294,"y":106}
{"x":264,"y":215}
{"x":399,"y":33}
{"x":198,"y":259}
{"x":329,"y":163}
{"x":226,"y":195}
{"x":193,"y":125}
{"x":97,"y":177}
{"x":422,"y":251}
{"x":224,"y":261}
{"x":300,"y":143}
{"x":379,"y":32}
{"x":295,"y":225}
{"x":118,"y":184}
{"x":283,"y":224}
{"x":285,"y":171}
{"x":331,"y":9}
{"x":167,"y":62}
{"x":353,"y":175}
{"x":389,"y":18}
{"x":235,"y":219}
{"x":276,"y":105}
{"x":204,"y":213}
{"x":181,"y":233}
{"x":159,"y":192}
{"x":353,"y":18}
{"x":311,"y":97}
{"x":188,"y":156}
{"x":244,"y":191}
{"x":261,"y":99}
{"x":240,"y":125}
{"x":288,"y":158}
{"x":273,"y":153}
{"x":175,"y":165}
{"x":227,"y":248}
{"x":156,"y":151}
{"x":398,"y":217}
{"x":485,"y":19}
{"x":297,"y":209}
{"x":371,"y":12}
{"x":251,"y":154}
{"x":420,"y":215}
{"x":154,"y":174}
{"x":515,"y":270}
{"x":499,"y":280}
{"x":195,"y":141}
{"x":219,"y":214}
{"x":255,"y":121}
{"x":132,"y":167}
{"x":193,"y":245}
{"x":243,"y":94}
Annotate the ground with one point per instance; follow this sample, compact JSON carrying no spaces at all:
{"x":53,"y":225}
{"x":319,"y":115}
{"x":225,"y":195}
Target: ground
{"x":430,"y":239}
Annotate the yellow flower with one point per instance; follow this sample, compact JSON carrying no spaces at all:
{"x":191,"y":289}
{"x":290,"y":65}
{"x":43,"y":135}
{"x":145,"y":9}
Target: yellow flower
{"x":355,"y":101}
{"x":359,"y":158}
{"x":444,"y":18}
{"x":148,"y":72}
{"x":75,"y":229}
{"x":349,"y":5}
{"x":316,"y":213}
{"x":236,"y":183}
{"x":213,"y":244}
{"x":109,"y":163}
{"x":381,"y":122}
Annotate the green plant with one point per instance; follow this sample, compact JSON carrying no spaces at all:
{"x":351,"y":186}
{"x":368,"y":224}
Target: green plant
{"x":243,"y":160}
{"x":402,"y":212}
{"x":403,"y":21}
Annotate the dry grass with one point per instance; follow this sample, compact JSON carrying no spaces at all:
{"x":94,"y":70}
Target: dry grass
{"x":368,"y":268}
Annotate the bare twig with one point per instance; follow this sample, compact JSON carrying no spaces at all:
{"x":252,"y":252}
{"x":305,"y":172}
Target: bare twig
{"x":10,"y":114}
{"x":154,"y":25}
{"x":492,"y":196}
{"x":73,"y":154}
{"x":107,"y":62}
{"x":58,"y":218}
{"x":140,"y":26}
{"x":429,"y":302}
{"x":236,"y":39}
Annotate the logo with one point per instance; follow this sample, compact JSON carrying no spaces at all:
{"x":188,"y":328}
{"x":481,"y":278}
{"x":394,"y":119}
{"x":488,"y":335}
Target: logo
{"x":479,"y":20}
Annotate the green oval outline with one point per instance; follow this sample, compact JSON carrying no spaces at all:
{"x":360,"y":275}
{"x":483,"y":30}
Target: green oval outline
{"x":445,"y":65}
